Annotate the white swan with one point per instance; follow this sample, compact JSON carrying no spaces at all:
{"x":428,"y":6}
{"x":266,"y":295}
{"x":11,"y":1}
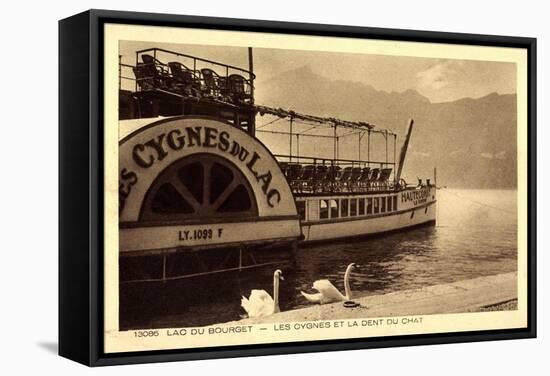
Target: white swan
{"x":327,"y":292}
{"x":260,"y":302}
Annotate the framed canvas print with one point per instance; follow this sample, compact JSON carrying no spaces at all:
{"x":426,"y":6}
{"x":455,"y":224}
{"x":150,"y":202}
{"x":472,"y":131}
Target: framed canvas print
{"x":241,"y":187}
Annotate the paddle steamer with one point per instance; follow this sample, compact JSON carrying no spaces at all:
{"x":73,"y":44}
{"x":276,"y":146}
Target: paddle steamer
{"x":195,"y":180}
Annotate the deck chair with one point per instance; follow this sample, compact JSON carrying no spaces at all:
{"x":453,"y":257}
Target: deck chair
{"x":364,"y":178}
{"x":354,"y":178}
{"x":284,"y":168}
{"x":236,"y":87}
{"x":183,"y":78}
{"x":144,"y":79}
{"x":294,"y":170}
{"x":373,"y":179}
{"x":151,"y":74}
{"x":148,"y":59}
{"x":159,"y":66}
{"x":148,"y":77}
{"x":384,"y":176}
{"x":320,"y":181}
{"x":210,"y":82}
{"x":293,"y":174}
{"x":306,"y":180}
{"x":334,"y":175}
{"x":345,"y":179}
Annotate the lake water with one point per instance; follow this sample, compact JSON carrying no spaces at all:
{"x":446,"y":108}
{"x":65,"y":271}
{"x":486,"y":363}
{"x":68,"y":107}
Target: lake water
{"x":475,"y":235}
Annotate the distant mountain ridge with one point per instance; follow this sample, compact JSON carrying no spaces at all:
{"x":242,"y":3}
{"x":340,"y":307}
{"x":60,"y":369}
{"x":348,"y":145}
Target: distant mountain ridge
{"x":472,"y":142}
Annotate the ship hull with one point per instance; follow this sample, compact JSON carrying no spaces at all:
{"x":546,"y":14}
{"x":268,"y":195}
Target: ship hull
{"x":192,"y":184}
{"x":361,"y":227}
{"x":409,"y":208}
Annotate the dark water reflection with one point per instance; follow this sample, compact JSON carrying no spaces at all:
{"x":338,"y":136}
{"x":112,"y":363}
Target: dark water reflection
{"x":475,"y":235}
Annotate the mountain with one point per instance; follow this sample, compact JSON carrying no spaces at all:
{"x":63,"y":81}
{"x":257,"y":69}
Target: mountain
{"x":472,"y":142}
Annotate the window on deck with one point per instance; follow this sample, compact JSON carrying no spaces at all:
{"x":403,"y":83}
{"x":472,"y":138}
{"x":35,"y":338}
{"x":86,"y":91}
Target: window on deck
{"x":301,"y":207}
{"x":334,"y":209}
{"x":345,"y":207}
{"x":353,"y":207}
{"x":323,"y":209}
{"x":361,"y":204}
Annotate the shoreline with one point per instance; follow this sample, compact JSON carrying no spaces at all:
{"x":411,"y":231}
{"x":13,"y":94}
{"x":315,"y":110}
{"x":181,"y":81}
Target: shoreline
{"x":482,"y":294}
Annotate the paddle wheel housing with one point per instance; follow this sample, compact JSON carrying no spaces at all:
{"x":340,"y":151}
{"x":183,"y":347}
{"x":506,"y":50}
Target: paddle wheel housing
{"x":190,"y":184}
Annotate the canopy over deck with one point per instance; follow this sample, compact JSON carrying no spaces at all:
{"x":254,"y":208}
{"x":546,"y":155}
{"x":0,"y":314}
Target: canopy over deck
{"x":334,"y":122}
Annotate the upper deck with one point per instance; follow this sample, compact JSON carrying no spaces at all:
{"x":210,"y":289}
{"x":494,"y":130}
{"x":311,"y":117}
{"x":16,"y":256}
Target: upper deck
{"x":168,"y":83}
{"x":309,"y":176}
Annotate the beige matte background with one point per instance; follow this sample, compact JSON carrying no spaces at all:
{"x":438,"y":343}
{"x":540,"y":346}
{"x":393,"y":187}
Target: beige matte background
{"x":116,"y":341}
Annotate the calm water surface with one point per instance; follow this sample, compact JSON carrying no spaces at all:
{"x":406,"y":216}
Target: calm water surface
{"x":475,"y":235}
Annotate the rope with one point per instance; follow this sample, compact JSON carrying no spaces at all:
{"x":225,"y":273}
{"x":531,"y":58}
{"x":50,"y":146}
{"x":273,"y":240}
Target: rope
{"x":482,"y":203}
{"x":266,"y":124}
{"x":349,"y":133}
{"x":312,"y":118}
{"x":294,"y":134}
{"x":307,"y":130}
{"x":315,"y":124}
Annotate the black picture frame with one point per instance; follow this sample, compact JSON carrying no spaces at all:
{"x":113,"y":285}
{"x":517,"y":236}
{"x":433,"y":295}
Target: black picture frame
{"x":81,"y":185}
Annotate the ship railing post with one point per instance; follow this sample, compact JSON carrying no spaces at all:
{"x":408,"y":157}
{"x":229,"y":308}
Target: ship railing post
{"x":314,"y":179}
{"x":394,"y":156}
{"x":368,"y":147}
{"x":359,"y":145}
{"x":136,"y":84}
{"x":386,"y":139}
{"x":251,"y":74}
{"x":290,"y":138}
{"x":332,"y":176}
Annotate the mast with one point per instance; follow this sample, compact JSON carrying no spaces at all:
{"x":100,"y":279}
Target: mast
{"x":252,"y":116}
{"x":404,"y":150}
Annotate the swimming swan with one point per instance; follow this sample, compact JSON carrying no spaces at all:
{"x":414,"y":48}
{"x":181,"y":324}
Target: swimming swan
{"x":327,"y":292}
{"x":260,"y":302}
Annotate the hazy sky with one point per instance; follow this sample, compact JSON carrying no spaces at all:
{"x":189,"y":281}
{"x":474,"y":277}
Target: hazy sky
{"x":439,"y":80}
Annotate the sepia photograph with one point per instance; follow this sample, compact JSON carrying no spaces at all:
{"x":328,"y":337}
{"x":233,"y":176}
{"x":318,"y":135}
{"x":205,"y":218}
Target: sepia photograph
{"x":284,"y":192}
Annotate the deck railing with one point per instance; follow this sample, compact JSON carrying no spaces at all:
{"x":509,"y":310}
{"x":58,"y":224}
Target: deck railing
{"x":187,"y":75}
{"x":325,"y":175}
